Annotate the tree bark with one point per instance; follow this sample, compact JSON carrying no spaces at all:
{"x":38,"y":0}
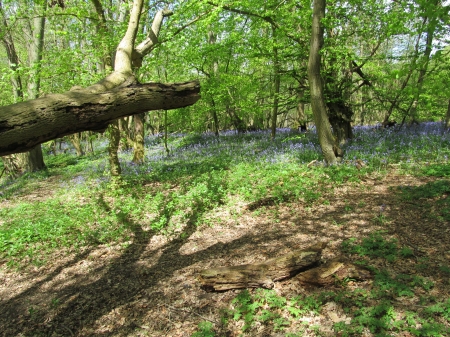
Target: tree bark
{"x":33,"y":160}
{"x":113,"y":148}
{"x":212,"y":37}
{"x":340,"y":117}
{"x":260,"y":274}
{"x":326,"y":138}
{"x":138,"y":54}
{"x":75,"y":139}
{"x":13,"y":59}
{"x":331,"y":272}
{"x":139,"y":134}
{"x":24,"y":125}
{"x":276,"y":84}
{"x":426,"y":59}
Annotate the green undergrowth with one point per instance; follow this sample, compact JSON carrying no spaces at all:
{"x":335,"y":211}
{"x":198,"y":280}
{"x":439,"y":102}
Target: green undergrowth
{"x":382,"y":308}
{"x":76,"y":204}
{"x":376,"y":246}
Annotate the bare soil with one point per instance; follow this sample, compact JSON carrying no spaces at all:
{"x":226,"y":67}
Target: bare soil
{"x":149,"y":287}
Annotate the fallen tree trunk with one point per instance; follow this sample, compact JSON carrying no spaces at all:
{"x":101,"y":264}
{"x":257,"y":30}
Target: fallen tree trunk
{"x":331,"y":272}
{"x":24,"y":125}
{"x":262,"y":274}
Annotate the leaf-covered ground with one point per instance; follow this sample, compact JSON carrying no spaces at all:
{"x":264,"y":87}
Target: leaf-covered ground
{"x":147,"y":286}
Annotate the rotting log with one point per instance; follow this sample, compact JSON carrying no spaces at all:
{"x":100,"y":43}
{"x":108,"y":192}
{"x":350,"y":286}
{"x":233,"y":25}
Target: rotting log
{"x":260,"y":275}
{"x":26,"y":124}
{"x":331,"y":272}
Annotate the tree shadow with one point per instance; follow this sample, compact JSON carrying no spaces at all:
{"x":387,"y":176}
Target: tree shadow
{"x":119,"y":301}
{"x":82,"y":304}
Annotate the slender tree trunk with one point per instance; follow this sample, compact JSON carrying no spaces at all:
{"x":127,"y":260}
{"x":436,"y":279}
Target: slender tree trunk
{"x":326,"y":139}
{"x":33,"y":160}
{"x":88,"y":137}
{"x":13,"y":59}
{"x":139,"y":134}
{"x":113,"y":148}
{"x":166,"y":146}
{"x":126,"y":136}
{"x":76,"y":141}
{"x":276,"y":83}
{"x":211,"y":40}
{"x":139,"y":130}
{"x":423,"y":70}
{"x":11,"y":162}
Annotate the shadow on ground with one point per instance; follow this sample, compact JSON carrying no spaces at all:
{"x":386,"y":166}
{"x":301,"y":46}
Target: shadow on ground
{"x":149,"y":287}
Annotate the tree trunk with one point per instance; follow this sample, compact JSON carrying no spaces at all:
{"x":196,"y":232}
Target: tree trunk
{"x":276,"y":83}
{"x":11,"y":162}
{"x":76,"y":142}
{"x":88,"y":137}
{"x":139,"y":134}
{"x":340,"y":116}
{"x":113,"y":148}
{"x":212,"y":40}
{"x":33,"y":160}
{"x":426,"y":59}
{"x":152,"y":39}
{"x":166,"y":146}
{"x":13,"y":59}
{"x":326,"y":139}
{"x":126,"y":137}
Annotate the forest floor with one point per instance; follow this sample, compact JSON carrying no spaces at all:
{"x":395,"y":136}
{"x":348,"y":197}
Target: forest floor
{"x":149,"y":286}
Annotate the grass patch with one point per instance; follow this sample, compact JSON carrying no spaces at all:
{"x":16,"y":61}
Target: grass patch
{"x":376,"y":246}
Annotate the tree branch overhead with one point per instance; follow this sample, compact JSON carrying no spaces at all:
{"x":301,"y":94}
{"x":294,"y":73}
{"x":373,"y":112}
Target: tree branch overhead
{"x":26,"y":124}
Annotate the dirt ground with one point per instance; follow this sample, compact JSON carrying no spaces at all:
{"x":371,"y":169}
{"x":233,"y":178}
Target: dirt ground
{"x":149,"y":287}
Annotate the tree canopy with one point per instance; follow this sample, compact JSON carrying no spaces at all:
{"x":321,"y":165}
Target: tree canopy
{"x":379,"y":62}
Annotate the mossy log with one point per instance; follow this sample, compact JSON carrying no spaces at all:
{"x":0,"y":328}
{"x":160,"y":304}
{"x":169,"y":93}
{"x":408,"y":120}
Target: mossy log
{"x":260,"y":275}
